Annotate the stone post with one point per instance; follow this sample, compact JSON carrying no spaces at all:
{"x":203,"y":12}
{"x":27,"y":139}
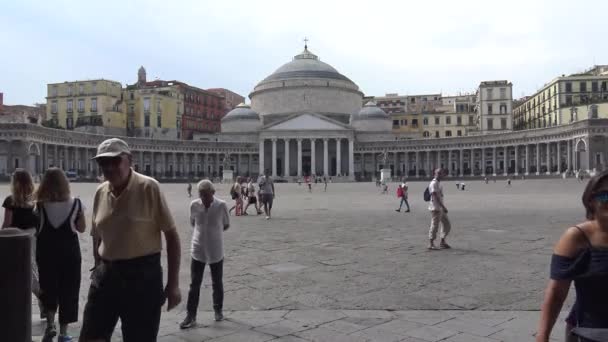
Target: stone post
{"x":299,"y":174}
{"x":286,"y":172}
{"x":338,"y":156}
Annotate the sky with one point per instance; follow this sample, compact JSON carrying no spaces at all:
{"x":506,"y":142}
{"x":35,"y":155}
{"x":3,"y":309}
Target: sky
{"x":405,"y":47}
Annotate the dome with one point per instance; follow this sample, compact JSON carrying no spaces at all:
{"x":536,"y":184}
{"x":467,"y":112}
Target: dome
{"x":306,"y":65}
{"x":241,"y":112}
{"x":370,"y":112}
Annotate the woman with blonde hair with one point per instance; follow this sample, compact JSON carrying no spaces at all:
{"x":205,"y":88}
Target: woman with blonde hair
{"x":19,"y":213}
{"x":58,"y":253}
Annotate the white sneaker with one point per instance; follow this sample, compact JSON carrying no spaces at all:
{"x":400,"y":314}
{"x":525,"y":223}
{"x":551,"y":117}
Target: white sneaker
{"x":268,"y":217}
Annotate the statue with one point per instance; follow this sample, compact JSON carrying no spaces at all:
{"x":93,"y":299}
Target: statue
{"x":384,"y":156}
{"x":227,"y":162}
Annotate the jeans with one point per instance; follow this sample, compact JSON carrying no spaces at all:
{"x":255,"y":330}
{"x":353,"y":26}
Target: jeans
{"x":131,"y":290}
{"x":404,"y":200}
{"x":197,"y":269}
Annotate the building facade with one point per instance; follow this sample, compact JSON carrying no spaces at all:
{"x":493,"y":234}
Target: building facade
{"x":494,"y":107}
{"x":306,"y":118}
{"x":558,"y":101}
{"x":231,"y":99}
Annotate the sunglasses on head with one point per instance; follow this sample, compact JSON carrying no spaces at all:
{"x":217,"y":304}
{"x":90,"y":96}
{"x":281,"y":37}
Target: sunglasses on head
{"x":601,"y":196}
{"x":106,"y":161}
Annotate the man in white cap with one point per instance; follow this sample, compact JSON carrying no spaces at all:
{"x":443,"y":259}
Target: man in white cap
{"x":129,"y":216}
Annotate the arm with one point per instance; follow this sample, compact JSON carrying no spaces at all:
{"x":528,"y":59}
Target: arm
{"x":557,"y":290}
{"x":96,"y":243}
{"x":438,"y":199}
{"x":173,"y":261}
{"x":273,"y":191}
{"x":81,"y":223}
{"x":8,"y":218}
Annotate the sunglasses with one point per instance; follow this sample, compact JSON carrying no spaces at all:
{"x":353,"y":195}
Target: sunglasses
{"x":109,"y":161}
{"x":601,"y":197}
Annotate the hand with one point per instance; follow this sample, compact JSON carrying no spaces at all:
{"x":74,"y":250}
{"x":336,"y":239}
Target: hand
{"x":174,"y":296}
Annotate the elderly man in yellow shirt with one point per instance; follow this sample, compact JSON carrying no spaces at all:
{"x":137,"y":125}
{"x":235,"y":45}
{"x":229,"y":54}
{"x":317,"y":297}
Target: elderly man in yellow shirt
{"x":130,"y":214}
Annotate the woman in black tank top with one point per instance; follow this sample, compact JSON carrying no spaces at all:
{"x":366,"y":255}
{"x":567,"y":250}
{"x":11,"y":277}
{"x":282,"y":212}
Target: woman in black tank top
{"x":581,"y":256}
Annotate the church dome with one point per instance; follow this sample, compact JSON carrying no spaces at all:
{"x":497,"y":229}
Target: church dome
{"x":371,"y":112}
{"x":241,"y":112}
{"x":306,"y":65}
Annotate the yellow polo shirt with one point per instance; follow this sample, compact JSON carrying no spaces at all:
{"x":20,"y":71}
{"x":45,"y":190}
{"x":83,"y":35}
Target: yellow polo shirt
{"x":130,"y":225}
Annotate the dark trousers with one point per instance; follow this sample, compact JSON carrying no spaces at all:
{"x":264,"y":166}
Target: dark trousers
{"x":404,"y":199}
{"x":197,"y":269}
{"x":60,"y":284}
{"x":131,"y":290}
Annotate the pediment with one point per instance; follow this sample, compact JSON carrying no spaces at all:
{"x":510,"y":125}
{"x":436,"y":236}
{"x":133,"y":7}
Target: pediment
{"x":307,"y":122}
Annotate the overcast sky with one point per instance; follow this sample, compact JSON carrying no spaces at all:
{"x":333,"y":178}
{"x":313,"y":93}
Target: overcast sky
{"x":406,"y":47}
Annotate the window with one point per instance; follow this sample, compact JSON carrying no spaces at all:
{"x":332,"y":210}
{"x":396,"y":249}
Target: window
{"x":426,"y":134}
{"x":131,"y":96}
{"x":448,"y":120}
{"x":490,"y":108}
{"x":158,"y":110}
{"x":604,"y":86}
{"x":503,"y":93}
{"x":490,"y":124}
{"x":489,"y":93}
{"x":81,"y":89}
{"x":568,"y":100}
{"x":69,"y":123}
{"x":594,"y":111}
{"x":471,"y":120}
{"x":146,"y":120}
{"x":436,"y":134}
{"x":94,"y":86}
{"x":503,"y":108}
{"x":93,"y":104}
{"x":396,"y":123}
{"x":404,"y":123}
{"x":158,"y":121}
{"x":80,"y":105}
{"x":568,"y":87}
{"x":54,"y":91}
{"x":131,"y":109}
{"x":503,"y":123}
{"x":425,"y":121}
{"x":54,"y":107}
{"x":583,"y":86}
{"x":415,"y":123}
{"x":448,"y":133}
{"x":594,"y":87}
{"x":413,"y":100}
{"x":147,"y":105}
{"x":70,"y":90}
{"x":70,"y":106}
{"x":437,"y":120}
{"x":459,"y":133}
{"x":459,"y":120}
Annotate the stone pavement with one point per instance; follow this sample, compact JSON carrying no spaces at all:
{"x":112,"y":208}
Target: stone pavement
{"x":351,"y":325}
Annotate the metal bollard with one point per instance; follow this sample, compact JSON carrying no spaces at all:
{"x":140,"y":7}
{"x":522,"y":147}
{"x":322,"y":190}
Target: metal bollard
{"x":15,"y":285}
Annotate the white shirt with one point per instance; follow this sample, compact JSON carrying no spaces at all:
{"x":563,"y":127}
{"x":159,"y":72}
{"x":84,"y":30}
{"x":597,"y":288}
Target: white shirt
{"x":436,"y":187}
{"x":57,"y":213}
{"x":208,"y":235}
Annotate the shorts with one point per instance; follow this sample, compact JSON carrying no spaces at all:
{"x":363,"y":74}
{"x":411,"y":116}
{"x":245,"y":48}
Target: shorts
{"x":266,"y":199}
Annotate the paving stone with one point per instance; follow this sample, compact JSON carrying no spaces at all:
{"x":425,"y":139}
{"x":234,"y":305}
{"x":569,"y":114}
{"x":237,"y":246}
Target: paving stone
{"x":314,"y":317}
{"x":431,"y":333}
{"x":463,"y":337}
{"x":283,"y":327}
{"x":256,"y":318}
{"x":249,"y":336}
{"x":326,"y":335}
{"x":426,"y":317}
{"x":469,"y":326}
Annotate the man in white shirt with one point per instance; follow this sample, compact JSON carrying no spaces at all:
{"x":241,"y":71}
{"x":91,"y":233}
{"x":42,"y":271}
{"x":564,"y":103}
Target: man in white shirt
{"x":266,"y":192}
{"x":209,"y":217}
{"x":439,"y":213}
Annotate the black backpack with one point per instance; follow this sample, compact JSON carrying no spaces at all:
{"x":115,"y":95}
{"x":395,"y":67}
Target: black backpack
{"x":427,"y":195}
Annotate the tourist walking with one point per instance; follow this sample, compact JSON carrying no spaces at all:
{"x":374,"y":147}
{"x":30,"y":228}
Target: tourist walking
{"x":251,"y":198}
{"x":581,"y":256}
{"x":58,"y":252}
{"x":384,"y":188}
{"x":209,"y":217}
{"x":237,"y":196}
{"x":402,"y":195}
{"x":19,"y":213}
{"x":439,"y":213}
{"x":325,"y":182}
{"x":189,"y":190}
{"x":130,"y":215}
{"x":267,"y":193}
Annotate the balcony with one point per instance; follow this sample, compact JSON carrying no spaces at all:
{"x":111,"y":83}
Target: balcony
{"x":91,"y":120}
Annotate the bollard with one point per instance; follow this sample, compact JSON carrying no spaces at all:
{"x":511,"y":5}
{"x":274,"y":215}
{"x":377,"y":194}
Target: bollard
{"x":15,"y":285}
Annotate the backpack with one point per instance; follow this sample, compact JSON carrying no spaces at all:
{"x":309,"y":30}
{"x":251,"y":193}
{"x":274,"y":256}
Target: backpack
{"x":399,"y":191}
{"x":427,"y":195}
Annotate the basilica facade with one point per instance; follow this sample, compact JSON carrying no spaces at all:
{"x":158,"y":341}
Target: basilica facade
{"x":307,"y":118}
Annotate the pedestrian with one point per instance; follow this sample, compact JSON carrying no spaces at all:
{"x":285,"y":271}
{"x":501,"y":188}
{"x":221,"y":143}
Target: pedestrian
{"x":457,"y":185}
{"x":581,"y":256}
{"x":19,"y":213}
{"x":189,"y":190}
{"x":309,"y":183}
{"x":251,"y":198}
{"x":267,"y":193}
{"x":462,"y":186}
{"x":384,"y":188}
{"x":325,"y":181}
{"x":58,"y":252}
{"x":509,"y":182}
{"x":236,"y":194}
{"x":209,"y":217}
{"x":485,"y":179}
{"x":439,"y":212}
{"x":402,"y":195}
{"x":130,"y":216}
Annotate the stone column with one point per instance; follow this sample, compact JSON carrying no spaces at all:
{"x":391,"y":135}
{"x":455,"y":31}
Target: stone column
{"x":558,"y":158}
{"x":527,"y":160}
{"x":325,"y":157}
{"x":516,"y":171}
{"x":164,"y":166}
{"x":505,"y":170}
{"x":261,"y":157}
{"x":494,"y":161}
{"x":569,"y":156}
{"x":461,"y":163}
{"x":274,"y":157}
{"x":537,"y":159}
{"x":438,"y":160}
{"x":313,"y":159}
{"x":174,"y":161}
{"x":55,"y":157}
{"x":249,"y":164}
{"x":351,"y":159}
{"x":449,"y":163}
{"x":428,"y":164}
{"x":299,"y":174}
{"x":217,"y":165}
{"x":406,"y":161}
{"x":472,"y":166}
{"x":417,"y":164}
{"x":338,"y":156}
{"x":548,"y":158}
{"x":142,"y":167}
{"x":286,"y":172}
{"x":483,"y":162}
